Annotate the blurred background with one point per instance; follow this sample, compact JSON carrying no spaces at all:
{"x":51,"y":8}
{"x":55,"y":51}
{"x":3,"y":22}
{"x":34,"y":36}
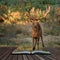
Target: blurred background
{"x":15,"y":29}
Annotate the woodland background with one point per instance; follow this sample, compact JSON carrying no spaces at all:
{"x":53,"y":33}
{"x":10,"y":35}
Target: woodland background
{"x":14,"y":26}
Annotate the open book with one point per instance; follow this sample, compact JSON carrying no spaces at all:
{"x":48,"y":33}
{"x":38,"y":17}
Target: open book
{"x":32,"y":52}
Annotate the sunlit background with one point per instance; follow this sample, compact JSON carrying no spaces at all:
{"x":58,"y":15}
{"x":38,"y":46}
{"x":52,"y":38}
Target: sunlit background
{"x":15,"y":26}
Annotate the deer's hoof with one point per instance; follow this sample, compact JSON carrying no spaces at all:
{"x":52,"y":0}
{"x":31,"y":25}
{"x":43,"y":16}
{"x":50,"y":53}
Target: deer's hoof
{"x":33,"y":48}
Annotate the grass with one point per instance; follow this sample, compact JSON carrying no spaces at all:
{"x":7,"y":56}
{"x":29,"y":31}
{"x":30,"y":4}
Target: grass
{"x":49,"y":41}
{"x":22,"y":32}
{"x":54,"y":43}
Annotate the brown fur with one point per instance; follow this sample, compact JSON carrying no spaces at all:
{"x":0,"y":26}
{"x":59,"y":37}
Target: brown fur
{"x":36,"y":34}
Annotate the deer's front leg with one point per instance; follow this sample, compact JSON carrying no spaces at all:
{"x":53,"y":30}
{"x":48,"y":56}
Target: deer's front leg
{"x":34,"y":43}
{"x":38,"y":43}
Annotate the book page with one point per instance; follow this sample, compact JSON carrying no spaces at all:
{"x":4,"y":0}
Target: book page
{"x":41,"y":52}
{"x":21,"y":52}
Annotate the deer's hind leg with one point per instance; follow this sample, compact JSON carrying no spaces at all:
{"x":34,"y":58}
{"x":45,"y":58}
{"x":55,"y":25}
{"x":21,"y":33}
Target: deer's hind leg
{"x":42,"y":42}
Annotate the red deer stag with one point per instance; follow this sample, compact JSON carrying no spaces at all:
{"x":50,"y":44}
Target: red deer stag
{"x":36,"y":30}
{"x":36,"y":34}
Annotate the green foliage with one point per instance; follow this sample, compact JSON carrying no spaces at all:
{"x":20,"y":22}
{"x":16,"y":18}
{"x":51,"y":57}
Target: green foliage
{"x":27,"y":4}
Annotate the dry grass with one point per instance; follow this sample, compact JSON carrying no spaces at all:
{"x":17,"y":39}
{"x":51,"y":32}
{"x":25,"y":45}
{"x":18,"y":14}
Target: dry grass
{"x":20,"y":36}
